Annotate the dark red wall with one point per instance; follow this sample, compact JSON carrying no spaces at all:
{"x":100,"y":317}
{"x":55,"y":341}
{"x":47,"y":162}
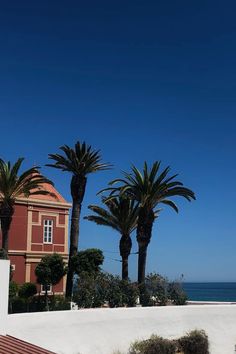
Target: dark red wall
{"x":18,"y":229}
{"x":19,"y":273}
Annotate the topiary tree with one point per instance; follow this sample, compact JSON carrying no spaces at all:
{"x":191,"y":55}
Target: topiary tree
{"x":50,"y":271}
{"x":87,"y":261}
{"x":26,"y":292}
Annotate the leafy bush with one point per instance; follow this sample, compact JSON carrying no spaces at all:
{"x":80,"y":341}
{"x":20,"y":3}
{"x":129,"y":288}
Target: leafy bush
{"x":121,"y":292}
{"x":194,"y":342}
{"x":154,"y":291}
{"x":27,"y":290}
{"x":154,"y":345}
{"x":94,"y":290}
{"x":59,"y":303}
{"x":177,"y":294}
{"x":86,"y":292}
{"x":87,"y":261}
{"x":18,"y":305}
{"x":13,"y":290}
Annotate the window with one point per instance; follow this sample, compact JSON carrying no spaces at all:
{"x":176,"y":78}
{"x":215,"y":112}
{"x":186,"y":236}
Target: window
{"x":49,"y":288}
{"x":47,"y":231}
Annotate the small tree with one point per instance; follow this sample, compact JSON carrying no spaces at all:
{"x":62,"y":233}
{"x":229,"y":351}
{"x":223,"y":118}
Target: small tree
{"x":88,"y":261}
{"x":26,"y":292}
{"x":50,"y":271}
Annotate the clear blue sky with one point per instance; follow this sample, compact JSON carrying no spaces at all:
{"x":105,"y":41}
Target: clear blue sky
{"x":139,"y":80}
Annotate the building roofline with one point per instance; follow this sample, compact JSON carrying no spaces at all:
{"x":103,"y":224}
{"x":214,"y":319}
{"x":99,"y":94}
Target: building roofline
{"x":40,"y":202}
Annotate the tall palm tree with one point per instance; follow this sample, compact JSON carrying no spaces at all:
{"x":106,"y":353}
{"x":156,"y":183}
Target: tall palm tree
{"x":121,"y":214}
{"x":12,"y":186}
{"x":80,"y":161}
{"x":149,"y":188}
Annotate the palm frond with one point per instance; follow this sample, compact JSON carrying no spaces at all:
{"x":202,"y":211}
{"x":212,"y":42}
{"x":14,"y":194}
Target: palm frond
{"x":80,"y":160}
{"x":13,"y":185}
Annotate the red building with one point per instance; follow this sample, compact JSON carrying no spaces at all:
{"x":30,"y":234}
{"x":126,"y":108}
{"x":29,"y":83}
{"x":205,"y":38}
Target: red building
{"x":39,"y":227}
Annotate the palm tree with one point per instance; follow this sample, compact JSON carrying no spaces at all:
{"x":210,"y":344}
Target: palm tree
{"x":121,"y":214}
{"x":149,"y":188}
{"x":80,"y":161}
{"x":12,"y":186}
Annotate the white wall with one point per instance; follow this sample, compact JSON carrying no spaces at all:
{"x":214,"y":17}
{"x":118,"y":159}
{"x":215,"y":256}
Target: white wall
{"x":4,"y":288}
{"x":102,"y":331}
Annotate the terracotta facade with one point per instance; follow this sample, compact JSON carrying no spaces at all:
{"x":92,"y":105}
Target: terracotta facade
{"x":27,"y":243}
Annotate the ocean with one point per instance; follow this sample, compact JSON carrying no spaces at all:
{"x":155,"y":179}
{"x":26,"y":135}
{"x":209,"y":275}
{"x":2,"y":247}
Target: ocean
{"x":210,"y":291}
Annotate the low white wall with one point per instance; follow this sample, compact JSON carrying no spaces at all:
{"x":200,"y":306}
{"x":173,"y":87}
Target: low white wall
{"x":4,"y":288}
{"x":102,"y":331}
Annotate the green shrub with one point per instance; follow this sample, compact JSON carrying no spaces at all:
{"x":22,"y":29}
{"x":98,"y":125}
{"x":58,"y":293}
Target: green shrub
{"x":154,"y":291}
{"x":18,"y":305}
{"x":176,"y":293}
{"x":89,"y":261}
{"x":13,"y":290}
{"x":27,"y":290}
{"x":38,"y":304}
{"x":195,"y":342}
{"x":121,"y":292}
{"x":59,"y":303}
{"x":154,"y":345}
{"x":94,"y":290}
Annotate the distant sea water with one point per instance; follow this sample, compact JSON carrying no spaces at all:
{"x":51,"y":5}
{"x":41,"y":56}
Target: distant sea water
{"x":210,"y":291}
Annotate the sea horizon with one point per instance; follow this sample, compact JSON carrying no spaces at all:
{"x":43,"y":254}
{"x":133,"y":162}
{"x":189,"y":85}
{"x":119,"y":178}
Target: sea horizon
{"x":210,"y":291}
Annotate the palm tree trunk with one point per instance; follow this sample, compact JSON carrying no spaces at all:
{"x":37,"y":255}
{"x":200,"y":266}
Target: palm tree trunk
{"x":125,"y":248}
{"x":142,"y":256}
{"x":74,"y":236}
{"x":6,"y":212}
{"x":78,"y":186}
{"x":125,"y":268}
{"x":144,"y":234}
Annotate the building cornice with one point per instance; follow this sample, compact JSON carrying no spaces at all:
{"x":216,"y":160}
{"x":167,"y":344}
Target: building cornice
{"x":40,"y":202}
{"x":33,"y":254}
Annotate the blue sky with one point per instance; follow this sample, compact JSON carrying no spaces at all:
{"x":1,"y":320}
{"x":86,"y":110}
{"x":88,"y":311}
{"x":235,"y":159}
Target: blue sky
{"x":140,"y":80}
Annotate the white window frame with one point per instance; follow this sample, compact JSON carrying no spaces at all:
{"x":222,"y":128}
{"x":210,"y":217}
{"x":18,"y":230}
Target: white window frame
{"x":48,"y":231}
{"x":49,"y":291}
